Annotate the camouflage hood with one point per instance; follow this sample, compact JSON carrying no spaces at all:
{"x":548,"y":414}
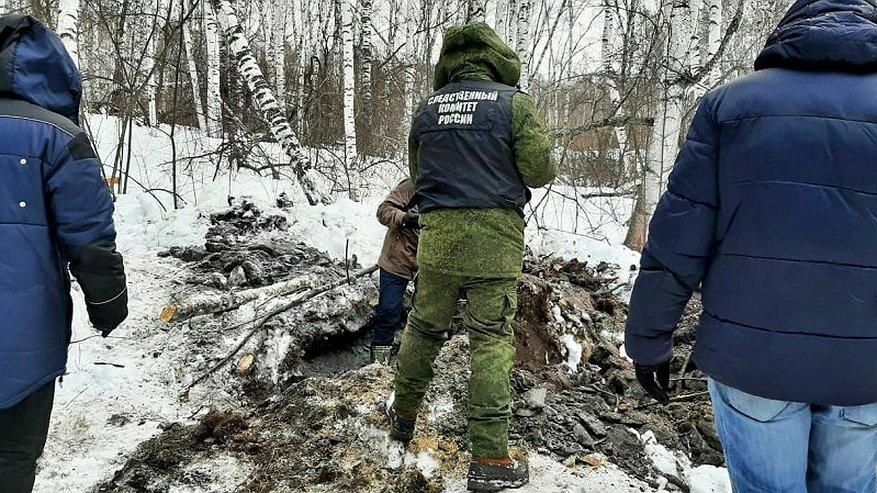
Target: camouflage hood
{"x":475,"y":51}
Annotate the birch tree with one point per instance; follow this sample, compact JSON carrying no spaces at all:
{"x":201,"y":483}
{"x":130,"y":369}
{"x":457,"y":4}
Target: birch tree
{"x":214,"y":98}
{"x":68,"y":26}
{"x":714,"y":30}
{"x":502,"y":18}
{"x":365,"y":17}
{"x":523,"y":42}
{"x":160,"y":13}
{"x":193,"y":77}
{"x":610,"y":52}
{"x":248,"y":69}
{"x":277,"y":49}
{"x":663,"y":143}
{"x":475,"y":11}
{"x":349,"y":89}
{"x":694,"y":47}
{"x":410,"y":61}
{"x":678,"y":83}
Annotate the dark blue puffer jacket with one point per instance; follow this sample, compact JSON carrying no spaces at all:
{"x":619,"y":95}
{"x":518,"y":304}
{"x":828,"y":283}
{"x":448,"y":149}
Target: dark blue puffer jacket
{"x":55,"y":210}
{"x":772,"y":210}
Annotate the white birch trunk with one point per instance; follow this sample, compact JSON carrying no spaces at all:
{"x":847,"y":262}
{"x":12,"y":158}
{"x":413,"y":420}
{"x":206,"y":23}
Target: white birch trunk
{"x":610,"y":53}
{"x":68,"y":26}
{"x":714,"y":33}
{"x":153,"y":32}
{"x":278,"y":50}
{"x":365,"y":16}
{"x":349,"y":87}
{"x":664,"y":141}
{"x":193,"y":78}
{"x":502,"y":18}
{"x":475,"y":11}
{"x":695,"y":15}
{"x":410,"y":60}
{"x":263,"y":97}
{"x":523,"y":42}
{"x":214,"y":70}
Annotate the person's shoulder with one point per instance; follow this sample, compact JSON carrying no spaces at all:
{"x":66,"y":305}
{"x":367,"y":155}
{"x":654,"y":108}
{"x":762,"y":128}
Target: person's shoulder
{"x":28,"y":112}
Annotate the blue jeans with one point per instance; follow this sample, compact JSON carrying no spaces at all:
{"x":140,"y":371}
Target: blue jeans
{"x":788,"y":447}
{"x":391,"y":312}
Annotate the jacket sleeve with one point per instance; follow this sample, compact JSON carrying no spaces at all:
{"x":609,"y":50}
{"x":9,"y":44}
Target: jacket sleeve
{"x":391,"y":212}
{"x":82,"y":214}
{"x":680,"y":244}
{"x":532,"y":146}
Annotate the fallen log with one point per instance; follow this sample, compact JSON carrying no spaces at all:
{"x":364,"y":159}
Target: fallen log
{"x":203,"y":304}
{"x":260,"y":321}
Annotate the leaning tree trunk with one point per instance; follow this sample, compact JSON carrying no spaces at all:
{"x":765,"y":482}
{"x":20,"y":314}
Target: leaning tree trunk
{"x":264,"y":99}
{"x":68,"y":26}
{"x":347,"y":76}
{"x":524,"y":41}
{"x":214,"y":71}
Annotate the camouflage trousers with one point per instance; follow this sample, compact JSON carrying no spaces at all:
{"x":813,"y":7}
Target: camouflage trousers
{"x":490,"y":311}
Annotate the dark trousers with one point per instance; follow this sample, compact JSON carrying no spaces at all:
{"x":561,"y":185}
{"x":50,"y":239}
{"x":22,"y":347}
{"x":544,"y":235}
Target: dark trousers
{"x":23,"y":431}
{"x":391,"y":311}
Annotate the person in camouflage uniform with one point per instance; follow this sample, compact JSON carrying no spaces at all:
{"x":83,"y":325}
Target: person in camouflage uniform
{"x":475,"y":147}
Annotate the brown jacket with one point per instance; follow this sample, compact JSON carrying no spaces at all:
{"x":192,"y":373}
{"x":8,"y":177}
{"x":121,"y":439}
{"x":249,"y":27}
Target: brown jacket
{"x":399,"y":255}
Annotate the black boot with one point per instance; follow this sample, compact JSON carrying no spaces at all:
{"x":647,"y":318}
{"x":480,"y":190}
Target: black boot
{"x":497,"y":474}
{"x":401,"y":428}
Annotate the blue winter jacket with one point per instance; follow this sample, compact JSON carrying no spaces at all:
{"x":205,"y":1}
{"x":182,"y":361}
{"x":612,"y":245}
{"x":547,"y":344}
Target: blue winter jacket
{"x":772,"y":211}
{"x":55,"y":211}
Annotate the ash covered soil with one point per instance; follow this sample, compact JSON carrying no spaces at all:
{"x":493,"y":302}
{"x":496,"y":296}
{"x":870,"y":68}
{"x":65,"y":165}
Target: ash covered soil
{"x":298,"y":408}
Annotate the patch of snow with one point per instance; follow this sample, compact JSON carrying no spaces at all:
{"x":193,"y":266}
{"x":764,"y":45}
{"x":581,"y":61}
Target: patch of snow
{"x":709,"y":479}
{"x":441,"y":408}
{"x":573,"y":352}
{"x":664,"y":461}
{"x":549,"y":476}
{"x":223,"y":473}
{"x":426,"y":463}
{"x":278,"y":348}
{"x":623,"y":352}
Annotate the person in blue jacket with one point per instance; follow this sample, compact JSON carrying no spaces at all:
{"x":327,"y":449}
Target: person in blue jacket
{"x":771,"y":211}
{"x":55,"y":212}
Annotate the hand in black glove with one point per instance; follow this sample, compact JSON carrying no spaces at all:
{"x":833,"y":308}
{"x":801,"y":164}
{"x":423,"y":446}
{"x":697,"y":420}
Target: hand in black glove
{"x":655,"y":380}
{"x":107,"y":316}
{"x":411,"y":220}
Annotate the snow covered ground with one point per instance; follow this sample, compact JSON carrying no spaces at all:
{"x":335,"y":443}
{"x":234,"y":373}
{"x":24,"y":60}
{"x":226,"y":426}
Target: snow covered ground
{"x":121,"y":390}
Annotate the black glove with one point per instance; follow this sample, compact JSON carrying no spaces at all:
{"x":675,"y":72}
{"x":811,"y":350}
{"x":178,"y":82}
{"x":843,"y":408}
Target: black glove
{"x":411,"y":220}
{"x":101,"y":274}
{"x":107,"y":316}
{"x":655,"y":380}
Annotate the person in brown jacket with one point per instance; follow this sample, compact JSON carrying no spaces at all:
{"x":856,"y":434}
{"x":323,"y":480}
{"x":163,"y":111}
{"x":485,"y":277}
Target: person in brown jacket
{"x":398,"y":266}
